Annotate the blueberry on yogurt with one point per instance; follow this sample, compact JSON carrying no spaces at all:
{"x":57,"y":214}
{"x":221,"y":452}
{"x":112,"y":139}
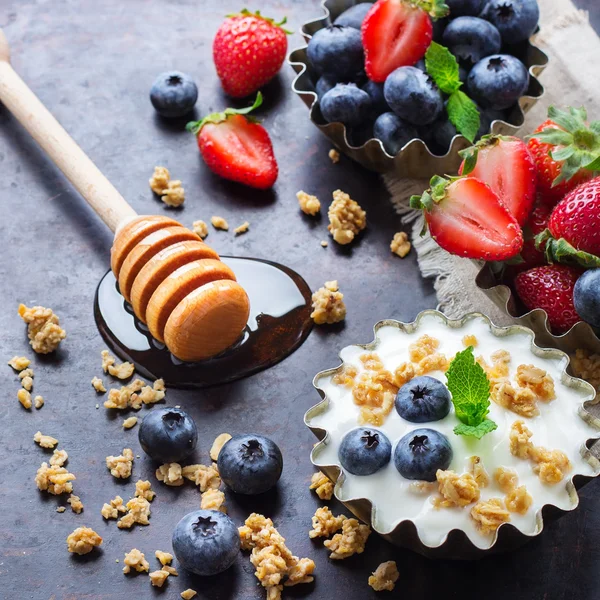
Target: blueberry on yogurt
{"x":421,"y":452}
{"x":423,"y":399}
{"x":364,"y":451}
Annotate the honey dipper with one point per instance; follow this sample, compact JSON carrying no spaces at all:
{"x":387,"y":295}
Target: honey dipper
{"x":175,"y":282}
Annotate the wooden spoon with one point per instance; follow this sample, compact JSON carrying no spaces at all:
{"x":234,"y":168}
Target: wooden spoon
{"x":201,"y":313}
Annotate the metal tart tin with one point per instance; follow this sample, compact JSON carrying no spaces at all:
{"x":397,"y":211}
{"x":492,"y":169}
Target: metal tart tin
{"x":415,"y":160}
{"x":457,"y":545}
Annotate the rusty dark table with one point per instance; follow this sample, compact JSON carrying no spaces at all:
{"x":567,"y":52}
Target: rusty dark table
{"x":92,"y":64}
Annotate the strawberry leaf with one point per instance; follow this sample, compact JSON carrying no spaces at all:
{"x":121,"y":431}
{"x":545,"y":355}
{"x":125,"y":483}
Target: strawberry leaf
{"x":441,"y":65}
{"x":561,"y":251}
{"x":196,"y":126}
{"x":436,"y":9}
{"x":463,"y":114}
{"x":470,"y":159}
{"x":477,"y":431}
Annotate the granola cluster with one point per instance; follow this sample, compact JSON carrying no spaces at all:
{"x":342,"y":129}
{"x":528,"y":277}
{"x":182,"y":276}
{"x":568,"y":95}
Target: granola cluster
{"x":138,"y":511}
{"x":517,"y":499}
{"x":83,"y":540}
{"x":120,"y":466}
{"x":400,"y":244}
{"x":219,"y":223}
{"x":45,"y":441}
{"x":54,"y":478}
{"x":98,"y":385}
{"x":134,"y":559}
{"x":489,"y":515}
{"x":213,"y":499}
{"x":586,"y":365}
{"x":322,"y":485}
{"x":470,"y":340}
{"x":309,"y":205}
{"x":325,"y":524}
{"x":200,"y":228}
{"x":188,"y":594}
{"x":170,"y":191}
{"x":135,"y":394}
{"x":328,"y":304}
{"x":424,"y":356}
{"x":43,"y":328}
{"x":170,"y":474}
{"x":130,"y":422}
{"x":351,"y":541}
{"x":334,"y":156}
{"x":243,"y":228}
{"x":346,"y":218}
{"x":19,"y":363}
{"x":123,"y":371}
{"x":113,"y":509}
{"x":219,"y":442}
{"x":159,"y":180}
{"x":275,"y":565}
{"x":205,"y":477}
{"x":76,"y":503}
{"x":455,"y":489}
{"x":384,"y":577}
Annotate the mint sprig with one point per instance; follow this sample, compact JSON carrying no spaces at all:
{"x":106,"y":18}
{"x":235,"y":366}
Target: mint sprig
{"x":470,"y":389}
{"x":442,"y":66}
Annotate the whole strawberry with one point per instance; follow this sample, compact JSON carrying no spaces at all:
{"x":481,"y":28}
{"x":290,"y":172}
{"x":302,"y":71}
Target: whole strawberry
{"x":566,"y":152}
{"x":237,"y":147}
{"x":551,"y":289}
{"x":248,"y":51}
{"x":536,"y":223}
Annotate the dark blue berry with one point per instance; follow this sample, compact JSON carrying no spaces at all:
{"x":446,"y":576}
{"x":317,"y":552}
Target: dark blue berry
{"x":378,"y":103}
{"x":250,"y":464}
{"x":470,"y":39}
{"x":354,"y":16}
{"x":173,"y":94}
{"x":393,"y":132}
{"x":336,"y":51}
{"x":516,"y":20}
{"x":460,"y":8}
{"x":498,"y":81}
{"x":586,"y":297}
{"x":206,"y":542}
{"x":420,"y":453}
{"x":413,"y":96}
{"x":346,"y":103}
{"x":443,"y":131}
{"x":423,"y":399}
{"x":420,"y":64}
{"x":463,"y":73}
{"x":324,"y":84}
{"x":364,"y":451}
{"x":168,"y":434}
{"x":360,"y":134}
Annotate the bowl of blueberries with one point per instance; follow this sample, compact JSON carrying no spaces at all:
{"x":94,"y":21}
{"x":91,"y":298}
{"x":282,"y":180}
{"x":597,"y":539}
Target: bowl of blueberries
{"x":401,"y":86}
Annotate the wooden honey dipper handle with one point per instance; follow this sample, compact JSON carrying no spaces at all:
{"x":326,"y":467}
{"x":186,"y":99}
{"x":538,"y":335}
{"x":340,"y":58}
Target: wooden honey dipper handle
{"x":97,"y":190}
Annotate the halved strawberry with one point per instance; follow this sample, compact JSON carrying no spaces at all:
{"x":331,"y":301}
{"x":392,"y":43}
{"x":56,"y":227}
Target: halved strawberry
{"x":237,"y":147}
{"x":396,"y":33}
{"x":504,"y":163}
{"x":465,"y":217}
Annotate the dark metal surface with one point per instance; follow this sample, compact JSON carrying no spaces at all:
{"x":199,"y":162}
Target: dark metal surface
{"x":92,"y":64}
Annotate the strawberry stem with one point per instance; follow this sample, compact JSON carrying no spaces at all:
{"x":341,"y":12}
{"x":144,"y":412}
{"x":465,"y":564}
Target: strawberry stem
{"x":436,"y":9}
{"x":246,"y":13}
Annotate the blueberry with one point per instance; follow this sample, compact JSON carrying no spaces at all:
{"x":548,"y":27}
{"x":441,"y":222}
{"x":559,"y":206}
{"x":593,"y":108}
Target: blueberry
{"x":250,"y":464}
{"x":206,"y":542}
{"x":346,"y":103}
{"x":393,"y":132}
{"x":470,"y":39}
{"x":443,"y":130}
{"x":423,"y":399}
{"x":516,"y":20}
{"x":420,"y":64}
{"x":378,"y":103}
{"x":324,"y":84}
{"x":336,"y":51}
{"x":173,"y":94}
{"x":420,"y":453}
{"x":459,"y":8}
{"x":168,"y":434}
{"x":586,"y":297}
{"x":498,"y":81}
{"x":354,"y":16}
{"x":463,"y":73}
{"x":361,"y":134}
{"x":364,"y":451}
{"x":413,"y":95}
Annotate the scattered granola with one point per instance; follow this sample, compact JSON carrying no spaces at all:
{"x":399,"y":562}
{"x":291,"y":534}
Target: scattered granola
{"x":334,"y":156}
{"x":59,"y":458}
{"x":478,"y":471}
{"x":506,"y":479}
{"x":165,"y":558}
{"x":469,"y":340}
{"x":242,"y":228}
{"x":423,"y":347}
{"x":345,"y":376}
{"x":518,"y":500}
{"x":309,"y":205}
{"x":134,"y":559}
{"x":26,"y":377}
{"x":404,"y":373}
{"x":138,"y":511}
{"x":98,"y":385}
{"x":537,"y":380}
{"x":489,"y":515}
{"x":521,"y":401}
{"x":456,"y":490}
{"x":324,"y":524}
{"x":170,"y":474}
{"x":130,"y":422}
{"x":54,"y":479}
{"x":24,"y":397}
{"x":219,"y":442}
{"x":19,"y":363}
{"x":76,"y":503}
{"x":174,"y":194}
{"x":60,"y":509}
{"x":200,"y":228}
{"x":346,"y":218}
{"x":45,"y":441}
{"x":400,"y":244}
{"x":585,"y":365}
{"x":322,"y":485}
{"x":433,"y":362}
{"x":188,"y":594}
{"x":219,"y":223}
{"x":328,"y":304}
{"x":202,"y":476}
{"x":135,"y":394}
{"x":520,"y":440}
{"x":123,"y":371}
{"x":143,"y":489}
{"x":159,"y":180}
{"x":38,"y":402}
{"x":351,"y":541}
{"x":83,"y":540}
{"x":120,"y":466}
{"x":384,"y":577}
{"x":43,"y":328}
{"x":158,"y":578}
{"x":213,"y":500}
{"x":112,"y":510}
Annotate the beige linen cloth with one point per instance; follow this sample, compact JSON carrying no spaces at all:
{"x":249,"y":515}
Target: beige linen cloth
{"x":571,"y":78}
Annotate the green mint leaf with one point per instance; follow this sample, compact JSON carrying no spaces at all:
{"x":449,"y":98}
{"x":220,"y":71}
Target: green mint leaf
{"x":463,"y":114}
{"x":470,"y":388}
{"x":442,"y":67}
{"x":477,"y":431}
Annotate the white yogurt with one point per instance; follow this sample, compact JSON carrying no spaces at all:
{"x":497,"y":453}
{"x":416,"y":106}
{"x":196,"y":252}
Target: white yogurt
{"x":558,"y":426}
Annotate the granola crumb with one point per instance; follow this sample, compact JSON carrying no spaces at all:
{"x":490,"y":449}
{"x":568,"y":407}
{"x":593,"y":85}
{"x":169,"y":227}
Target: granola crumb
{"x":45,"y":441}
{"x":219,"y":442}
{"x":204,"y":477}
{"x":421,"y":487}
{"x":24,"y":397}
{"x":113,"y":509}
{"x":243,"y":228}
{"x":518,"y":500}
{"x":19,"y":363}
{"x":489,"y":515}
{"x":219,"y":223}
{"x":324,"y":244}
{"x":38,"y":402}
{"x":520,"y":440}
{"x":456,"y":490}
{"x":59,"y":458}
{"x":506,"y":479}
{"x":469,"y":340}
{"x":27,"y":382}
{"x":170,"y":474}
{"x":213,"y":499}
{"x":478,"y":471}
{"x":200,"y":228}
{"x":43,"y":328}
{"x":134,"y":559}
{"x":123,"y":371}
{"x":400,"y":246}
{"x":537,"y":380}
{"x":324,"y":524}
{"x":374,"y":391}
{"x":130,"y":422}
{"x":120,"y":466}
{"x":551,"y":465}
{"x":159,"y":180}
{"x":345,"y":376}
{"x":143,"y":489}
{"x":134,"y":395}
{"x":309,"y":205}
{"x":174,"y":194}
{"x":521,"y":401}
{"x":404,"y":373}
{"x":138,"y":511}
{"x":188,"y":594}
{"x":76,"y":503}
{"x":328,"y":304}
{"x":171,"y":570}
{"x":83,"y":540}
{"x":158,"y":578}
{"x":434,"y":362}
{"x":98,"y":385}
{"x":334,"y":156}
{"x":384,"y":577}
{"x":586,"y":365}
{"x":423,"y":347}
{"x":351,"y":541}
{"x":346,"y":218}
{"x":60,"y":509}
{"x":322,"y":485}
{"x":165,"y":558}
